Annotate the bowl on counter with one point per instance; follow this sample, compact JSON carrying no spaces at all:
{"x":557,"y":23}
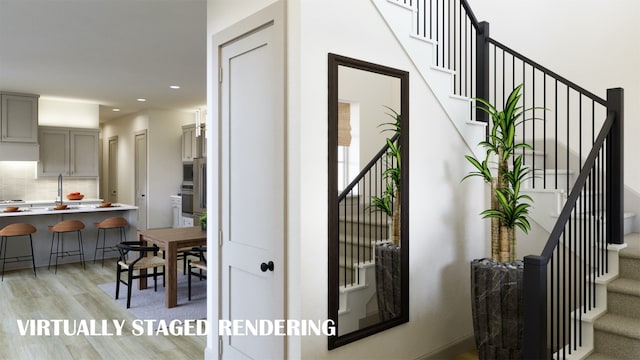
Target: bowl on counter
{"x":60,"y":207}
{"x":75,"y":196}
{"x":105,"y":204}
{"x":11,"y":209}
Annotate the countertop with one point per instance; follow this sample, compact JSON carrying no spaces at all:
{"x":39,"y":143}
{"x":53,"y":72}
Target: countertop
{"x":28,"y":210}
{"x":28,"y":203}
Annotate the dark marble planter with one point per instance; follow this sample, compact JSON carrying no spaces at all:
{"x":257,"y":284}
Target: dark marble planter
{"x":496,"y":306}
{"x":388,"y":283}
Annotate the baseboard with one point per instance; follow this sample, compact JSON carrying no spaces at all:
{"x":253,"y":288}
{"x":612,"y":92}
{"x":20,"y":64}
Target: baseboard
{"x":451,"y":351}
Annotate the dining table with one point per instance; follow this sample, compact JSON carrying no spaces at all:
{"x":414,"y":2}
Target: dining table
{"x":170,"y":240}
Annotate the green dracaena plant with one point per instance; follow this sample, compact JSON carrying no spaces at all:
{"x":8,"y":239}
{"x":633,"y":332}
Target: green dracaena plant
{"x":509,"y":208}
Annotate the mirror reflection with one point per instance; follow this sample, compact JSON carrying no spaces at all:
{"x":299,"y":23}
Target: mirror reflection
{"x":368,"y":193}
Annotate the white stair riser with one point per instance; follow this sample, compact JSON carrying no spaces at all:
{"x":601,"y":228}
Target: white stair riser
{"x":353,"y":300}
{"x":549,"y":179}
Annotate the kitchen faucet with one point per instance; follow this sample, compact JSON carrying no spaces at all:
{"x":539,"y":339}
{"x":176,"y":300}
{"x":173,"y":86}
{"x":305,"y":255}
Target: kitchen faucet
{"x":60,"y":188}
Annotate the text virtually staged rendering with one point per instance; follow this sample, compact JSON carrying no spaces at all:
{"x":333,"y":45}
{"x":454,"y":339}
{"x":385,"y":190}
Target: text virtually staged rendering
{"x":140,"y":327}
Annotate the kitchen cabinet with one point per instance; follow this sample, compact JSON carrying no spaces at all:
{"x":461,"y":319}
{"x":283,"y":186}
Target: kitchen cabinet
{"x":189,"y":142}
{"x":19,"y":118}
{"x":68,"y":151}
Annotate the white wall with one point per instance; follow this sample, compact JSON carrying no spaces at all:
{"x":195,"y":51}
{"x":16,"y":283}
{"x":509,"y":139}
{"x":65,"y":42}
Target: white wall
{"x":443,"y":221}
{"x":590,"y":42}
{"x":164,"y":132}
{"x":165,"y":162}
{"x":372,"y":92}
{"x":68,"y":113}
{"x":223,"y":13}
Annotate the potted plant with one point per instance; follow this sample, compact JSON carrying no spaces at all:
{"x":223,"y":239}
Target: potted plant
{"x":203,"y":221}
{"x":387,"y":256}
{"x":389,"y":201}
{"x":496,"y":283}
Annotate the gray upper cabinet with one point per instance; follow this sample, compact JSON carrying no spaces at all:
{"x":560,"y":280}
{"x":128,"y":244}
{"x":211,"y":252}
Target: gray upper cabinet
{"x":19,"y":118}
{"x":189,"y":143}
{"x":68,"y":151}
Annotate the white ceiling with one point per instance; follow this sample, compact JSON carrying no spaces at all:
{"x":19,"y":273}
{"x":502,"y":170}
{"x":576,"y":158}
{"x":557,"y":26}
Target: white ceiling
{"x":109,"y":52}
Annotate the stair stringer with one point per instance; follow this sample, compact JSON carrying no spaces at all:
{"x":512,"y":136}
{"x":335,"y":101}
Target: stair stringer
{"x":440,"y":81}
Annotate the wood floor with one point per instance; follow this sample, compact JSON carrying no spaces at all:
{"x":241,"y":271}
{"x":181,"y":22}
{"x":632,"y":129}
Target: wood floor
{"x":73,"y":294}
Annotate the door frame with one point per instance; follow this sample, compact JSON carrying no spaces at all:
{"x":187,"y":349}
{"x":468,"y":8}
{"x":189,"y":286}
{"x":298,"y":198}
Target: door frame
{"x":112,"y":177}
{"x":272,"y":13}
{"x":135,"y":175}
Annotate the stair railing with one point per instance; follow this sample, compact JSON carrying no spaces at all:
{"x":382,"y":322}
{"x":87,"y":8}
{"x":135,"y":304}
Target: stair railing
{"x":360,"y":225}
{"x":560,"y":284}
{"x":573,"y":131}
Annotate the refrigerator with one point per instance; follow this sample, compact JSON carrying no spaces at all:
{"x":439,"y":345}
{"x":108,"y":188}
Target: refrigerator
{"x":199,"y":189}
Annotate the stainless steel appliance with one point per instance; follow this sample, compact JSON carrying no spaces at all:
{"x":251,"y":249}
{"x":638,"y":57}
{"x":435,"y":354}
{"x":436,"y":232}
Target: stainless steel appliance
{"x":187,"y":172}
{"x":199,"y":188}
{"x":186,"y":193}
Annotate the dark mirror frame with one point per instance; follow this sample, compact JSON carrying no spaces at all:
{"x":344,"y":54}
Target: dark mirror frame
{"x":333,"y":261}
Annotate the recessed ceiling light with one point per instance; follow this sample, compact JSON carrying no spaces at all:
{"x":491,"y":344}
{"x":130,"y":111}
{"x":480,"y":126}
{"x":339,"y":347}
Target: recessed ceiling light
{"x":141,"y":99}
{"x":175,"y":86}
{"x":115,"y":109}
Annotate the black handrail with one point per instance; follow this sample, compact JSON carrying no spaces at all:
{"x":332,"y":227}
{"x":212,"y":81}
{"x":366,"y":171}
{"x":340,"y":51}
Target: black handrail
{"x":366,"y":169}
{"x":470,"y":14}
{"x":549,"y":72}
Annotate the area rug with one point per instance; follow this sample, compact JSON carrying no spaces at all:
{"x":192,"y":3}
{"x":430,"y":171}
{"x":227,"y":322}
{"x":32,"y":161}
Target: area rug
{"x":149,"y":305}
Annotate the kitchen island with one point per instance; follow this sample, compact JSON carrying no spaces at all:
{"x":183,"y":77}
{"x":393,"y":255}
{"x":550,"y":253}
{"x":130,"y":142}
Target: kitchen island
{"x":43,"y":217}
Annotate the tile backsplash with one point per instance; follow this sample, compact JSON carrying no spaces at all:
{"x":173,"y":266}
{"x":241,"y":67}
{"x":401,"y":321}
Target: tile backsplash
{"x":18,"y":182}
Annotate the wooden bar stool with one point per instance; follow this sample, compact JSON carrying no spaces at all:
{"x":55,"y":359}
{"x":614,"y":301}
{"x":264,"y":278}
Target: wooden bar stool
{"x":59,"y":229}
{"x":116,"y":223}
{"x":14,"y":230}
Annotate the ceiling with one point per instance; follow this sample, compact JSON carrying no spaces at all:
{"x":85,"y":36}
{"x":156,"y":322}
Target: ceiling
{"x":110,"y":52}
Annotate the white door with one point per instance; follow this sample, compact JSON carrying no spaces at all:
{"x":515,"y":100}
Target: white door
{"x":112,"y":183}
{"x":253,"y":187}
{"x":141,"y":178}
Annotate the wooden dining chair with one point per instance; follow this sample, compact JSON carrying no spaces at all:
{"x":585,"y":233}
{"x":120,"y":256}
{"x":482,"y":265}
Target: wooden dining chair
{"x":197,"y":268}
{"x":147,"y":258}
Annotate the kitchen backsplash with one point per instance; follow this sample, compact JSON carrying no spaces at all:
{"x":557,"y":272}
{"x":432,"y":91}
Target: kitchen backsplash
{"x":18,"y":182}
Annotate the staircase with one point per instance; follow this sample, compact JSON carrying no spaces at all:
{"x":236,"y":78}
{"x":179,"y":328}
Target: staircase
{"x":577,"y":187}
{"x":617,"y":332}
{"x":360,"y":231}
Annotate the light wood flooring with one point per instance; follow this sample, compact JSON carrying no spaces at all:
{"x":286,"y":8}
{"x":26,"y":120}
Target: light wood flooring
{"x":74,"y":294}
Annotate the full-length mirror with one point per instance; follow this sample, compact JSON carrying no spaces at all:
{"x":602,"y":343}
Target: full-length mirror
{"x":368,"y":198}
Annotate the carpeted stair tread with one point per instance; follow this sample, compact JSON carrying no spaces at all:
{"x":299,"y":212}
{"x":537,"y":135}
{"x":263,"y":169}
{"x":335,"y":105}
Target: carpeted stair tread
{"x":620,"y":325}
{"x":599,"y":356}
{"x":625,"y":286}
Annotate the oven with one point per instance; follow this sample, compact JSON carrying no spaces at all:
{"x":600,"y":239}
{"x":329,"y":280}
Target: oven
{"x":186,"y":193}
{"x":187,"y":172}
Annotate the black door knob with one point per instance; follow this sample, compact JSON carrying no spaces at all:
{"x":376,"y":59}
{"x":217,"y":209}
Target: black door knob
{"x":266,"y":266}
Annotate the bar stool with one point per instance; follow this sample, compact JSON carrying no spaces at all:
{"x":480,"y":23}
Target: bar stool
{"x":116,"y":223}
{"x":14,"y":230}
{"x":59,"y":229}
